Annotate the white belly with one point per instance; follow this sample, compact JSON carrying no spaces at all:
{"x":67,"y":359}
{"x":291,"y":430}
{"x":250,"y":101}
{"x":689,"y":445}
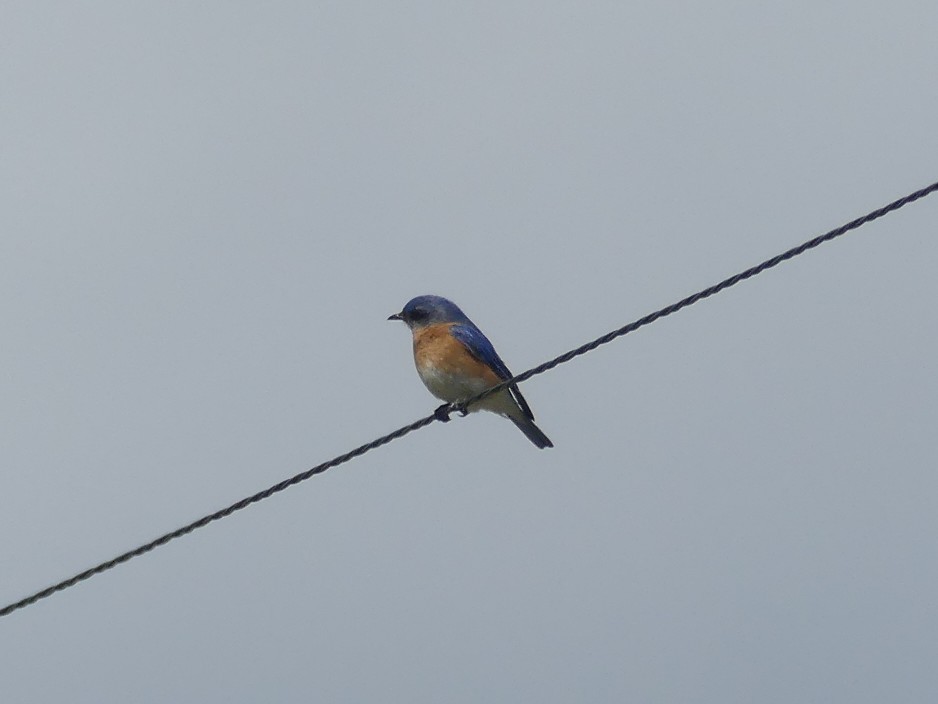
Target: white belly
{"x":450,"y":387}
{"x":457,"y":387}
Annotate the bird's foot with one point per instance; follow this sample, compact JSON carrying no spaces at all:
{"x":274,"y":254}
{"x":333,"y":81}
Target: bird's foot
{"x":443,"y":412}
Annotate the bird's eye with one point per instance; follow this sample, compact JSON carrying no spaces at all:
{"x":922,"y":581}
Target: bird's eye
{"x":418,"y":314}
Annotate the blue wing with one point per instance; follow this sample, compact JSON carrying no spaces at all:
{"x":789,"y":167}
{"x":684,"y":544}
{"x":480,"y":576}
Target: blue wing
{"x":479,"y":347}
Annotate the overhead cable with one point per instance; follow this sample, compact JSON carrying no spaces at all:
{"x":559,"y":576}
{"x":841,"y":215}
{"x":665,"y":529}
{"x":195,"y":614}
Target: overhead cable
{"x":442,"y":414}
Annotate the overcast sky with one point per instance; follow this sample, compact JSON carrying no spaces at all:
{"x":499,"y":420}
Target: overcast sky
{"x":207,"y":212}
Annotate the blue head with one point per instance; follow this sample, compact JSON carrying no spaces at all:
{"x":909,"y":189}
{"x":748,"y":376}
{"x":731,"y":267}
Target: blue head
{"x":429,"y":310}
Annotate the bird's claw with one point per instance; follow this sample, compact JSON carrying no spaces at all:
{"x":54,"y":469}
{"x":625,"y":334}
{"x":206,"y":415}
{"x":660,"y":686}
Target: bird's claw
{"x":443,"y":412}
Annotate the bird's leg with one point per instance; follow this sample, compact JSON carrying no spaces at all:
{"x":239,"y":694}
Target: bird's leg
{"x":442,"y":413}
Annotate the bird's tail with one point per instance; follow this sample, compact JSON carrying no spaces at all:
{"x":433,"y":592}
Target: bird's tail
{"x":531,"y":431}
{"x":507,"y":404}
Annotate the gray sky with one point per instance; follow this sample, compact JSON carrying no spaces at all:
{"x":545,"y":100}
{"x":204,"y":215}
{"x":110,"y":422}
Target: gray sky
{"x":208,"y":211}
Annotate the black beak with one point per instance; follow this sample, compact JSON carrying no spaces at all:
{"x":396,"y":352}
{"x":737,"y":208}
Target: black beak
{"x":396,"y":316}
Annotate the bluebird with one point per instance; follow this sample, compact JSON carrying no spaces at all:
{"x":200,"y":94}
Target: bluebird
{"x":456,"y":361}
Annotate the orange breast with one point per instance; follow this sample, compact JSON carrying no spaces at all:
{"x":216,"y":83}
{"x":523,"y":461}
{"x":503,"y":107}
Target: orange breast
{"x":437,"y":349}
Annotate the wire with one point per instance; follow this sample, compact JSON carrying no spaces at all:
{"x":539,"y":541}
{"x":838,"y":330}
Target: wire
{"x":707,"y":292}
{"x":423,"y":422}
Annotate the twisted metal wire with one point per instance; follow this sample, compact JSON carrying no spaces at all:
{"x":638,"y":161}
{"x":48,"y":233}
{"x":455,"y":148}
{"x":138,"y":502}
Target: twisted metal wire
{"x":423,"y":422}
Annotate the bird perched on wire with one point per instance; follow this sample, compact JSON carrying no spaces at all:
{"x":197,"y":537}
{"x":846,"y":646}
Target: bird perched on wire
{"x":456,"y":361}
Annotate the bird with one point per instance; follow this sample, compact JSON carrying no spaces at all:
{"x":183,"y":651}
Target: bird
{"x":456,"y":361}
